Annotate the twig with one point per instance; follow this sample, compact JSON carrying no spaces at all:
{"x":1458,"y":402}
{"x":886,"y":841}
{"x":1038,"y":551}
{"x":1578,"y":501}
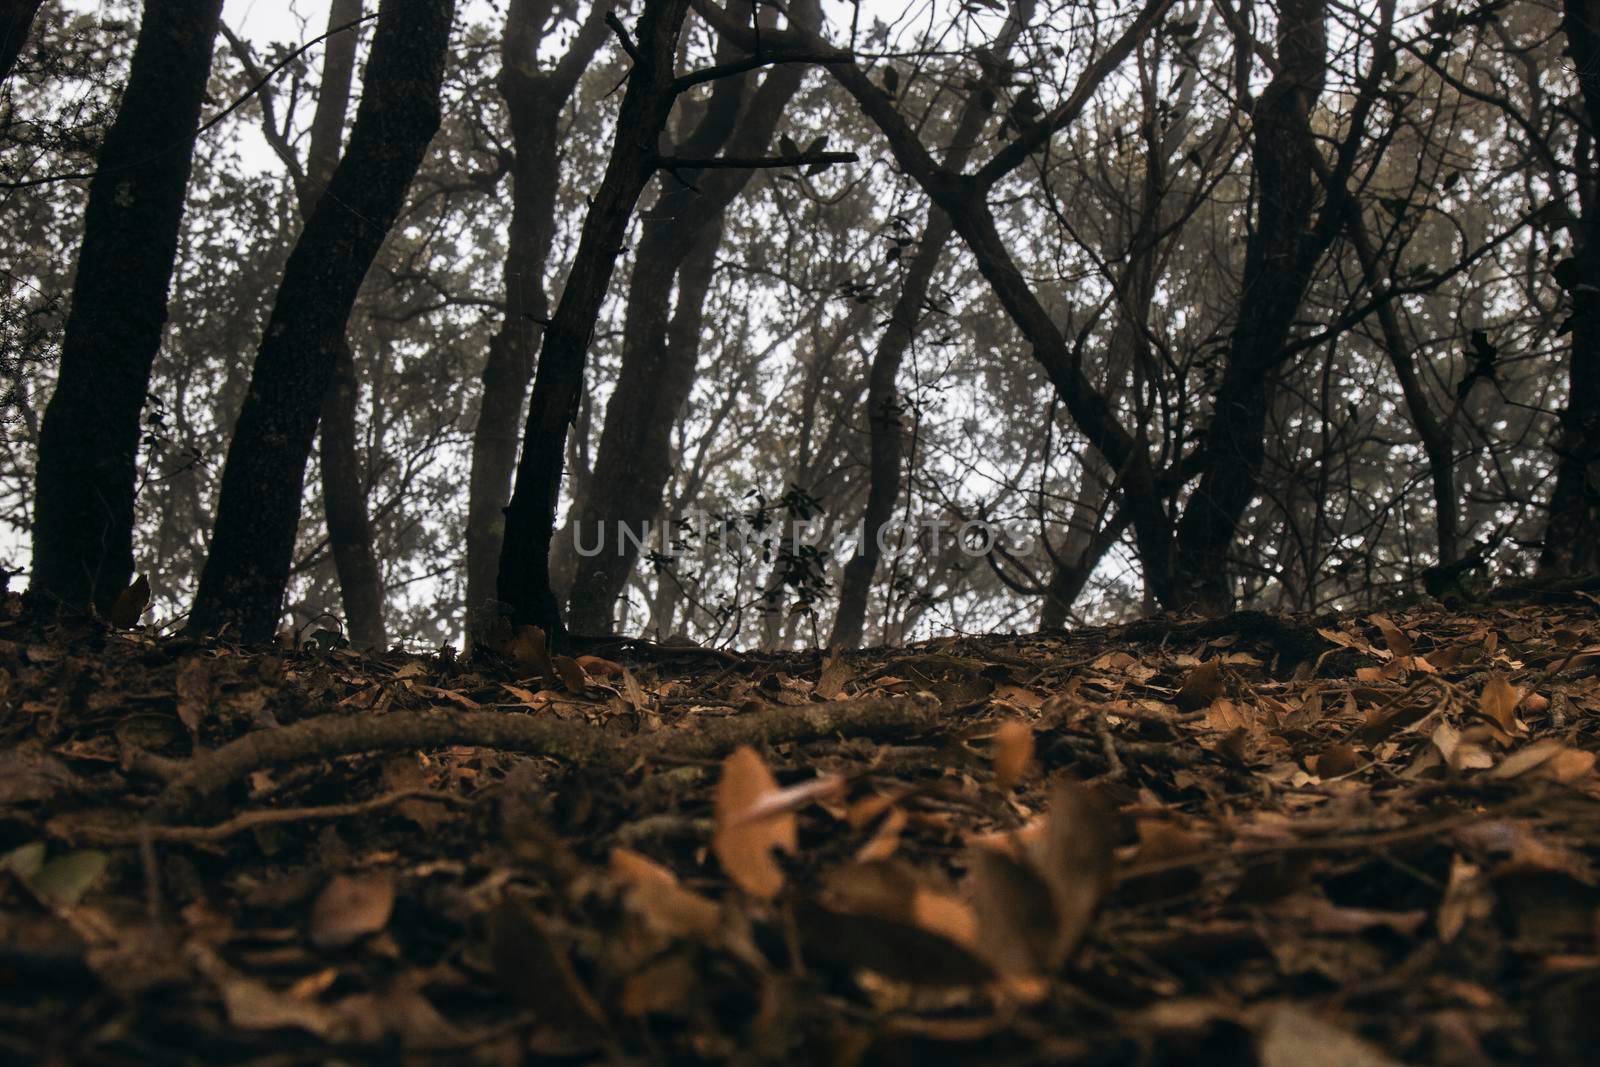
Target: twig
{"x":146,"y":834}
{"x":803,"y":159}
{"x":1108,"y":745}
{"x":622,"y":35}
{"x":595,"y":750}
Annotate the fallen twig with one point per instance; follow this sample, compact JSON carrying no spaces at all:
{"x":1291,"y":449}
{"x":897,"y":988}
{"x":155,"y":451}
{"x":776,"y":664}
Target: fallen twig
{"x":328,"y":736}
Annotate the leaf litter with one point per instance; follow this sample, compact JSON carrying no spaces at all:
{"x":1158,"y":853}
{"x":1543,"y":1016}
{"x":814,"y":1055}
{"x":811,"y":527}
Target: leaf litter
{"x":1357,"y":839}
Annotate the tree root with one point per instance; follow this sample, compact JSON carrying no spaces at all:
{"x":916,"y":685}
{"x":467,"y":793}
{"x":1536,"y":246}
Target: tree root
{"x":594,"y":750}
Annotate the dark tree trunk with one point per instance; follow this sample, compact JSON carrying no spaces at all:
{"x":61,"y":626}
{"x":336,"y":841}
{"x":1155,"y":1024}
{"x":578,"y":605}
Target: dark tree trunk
{"x":16,"y":20}
{"x":89,"y":438}
{"x":258,"y":510}
{"x":534,"y":101}
{"x":524,"y":583}
{"x":1572,"y":535}
{"x":1071,"y":570}
{"x":660,"y":352}
{"x":344,"y":504}
{"x":344,"y":487}
{"x":884,"y":429}
{"x":1276,"y":274}
{"x":883,"y":399}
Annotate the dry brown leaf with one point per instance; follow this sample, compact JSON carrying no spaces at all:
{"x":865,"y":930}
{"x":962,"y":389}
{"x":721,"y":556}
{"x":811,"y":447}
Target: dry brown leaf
{"x":1075,"y":859}
{"x":665,"y":987}
{"x":570,"y":673}
{"x":1394,"y":638}
{"x":742,"y":845}
{"x":1200,"y":687}
{"x":1013,"y":751}
{"x":1294,"y":1037}
{"x":883,"y":917}
{"x":536,"y":971}
{"x":529,"y":698}
{"x":350,"y":907}
{"x":823,"y":788}
{"x":886,"y":840}
{"x":130,"y":604}
{"x":655,"y":895}
{"x":1034,"y":908}
{"x":1499,"y":703}
{"x":529,"y":650}
{"x":193,"y":684}
{"x":598,"y":667}
{"x":1459,"y":753}
{"x":1224,"y":715}
{"x":1468,"y":897}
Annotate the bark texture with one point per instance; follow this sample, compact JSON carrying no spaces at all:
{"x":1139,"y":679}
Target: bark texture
{"x":258,"y":510}
{"x":524,"y":582}
{"x":1277,"y":271}
{"x":660,"y":350}
{"x":16,"y":21}
{"x":344,"y":484}
{"x":1572,"y":534}
{"x":89,"y":437}
{"x":534,"y":100}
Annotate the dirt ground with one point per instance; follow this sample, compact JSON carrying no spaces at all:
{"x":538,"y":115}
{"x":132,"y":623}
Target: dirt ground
{"x":1292,"y":842}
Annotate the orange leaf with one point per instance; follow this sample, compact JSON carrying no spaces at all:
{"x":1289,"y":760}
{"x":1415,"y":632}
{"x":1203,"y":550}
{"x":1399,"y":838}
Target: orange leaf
{"x":1499,"y":703}
{"x":1393,"y":637}
{"x":1013,"y":751}
{"x":596,"y":667}
{"x":1201,"y":687}
{"x":744,"y":846}
{"x":654,"y":892}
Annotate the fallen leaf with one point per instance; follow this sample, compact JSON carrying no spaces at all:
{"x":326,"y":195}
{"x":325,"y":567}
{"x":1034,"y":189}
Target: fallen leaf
{"x":1499,"y":703}
{"x":1200,"y":687}
{"x":193,"y":683}
{"x":598,"y":667}
{"x":1294,"y":1037}
{"x":570,"y":673}
{"x":536,"y":972}
{"x":1394,"y":638}
{"x":742,"y":845}
{"x":130,"y":604}
{"x":655,"y":895}
{"x":65,"y":879}
{"x":349,"y":908}
{"x":1013,"y":751}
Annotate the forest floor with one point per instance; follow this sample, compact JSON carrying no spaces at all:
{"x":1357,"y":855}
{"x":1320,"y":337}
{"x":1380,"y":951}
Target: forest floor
{"x":1285,"y":841}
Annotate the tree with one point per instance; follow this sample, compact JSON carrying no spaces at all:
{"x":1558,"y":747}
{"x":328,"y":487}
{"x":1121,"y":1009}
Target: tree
{"x":89,"y":437}
{"x":16,"y":19}
{"x":344,"y":494}
{"x":524,"y":582}
{"x":258,"y":508}
{"x":535,"y":100}
{"x":1572,"y":532}
{"x":679,"y":242}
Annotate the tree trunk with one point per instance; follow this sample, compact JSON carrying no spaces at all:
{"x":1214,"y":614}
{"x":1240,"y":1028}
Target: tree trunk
{"x":16,"y":20}
{"x":524,"y":581}
{"x":258,"y":509}
{"x":534,"y":101}
{"x":1572,"y":534}
{"x":89,"y":438}
{"x":1277,"y":272}
{"x":344,"y":489}
{"x":884,"y":429}
{"x":659,"y":354}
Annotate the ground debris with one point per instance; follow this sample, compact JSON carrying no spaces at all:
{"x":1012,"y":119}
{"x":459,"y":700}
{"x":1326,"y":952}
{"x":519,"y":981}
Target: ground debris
{"x":1365,"y":838}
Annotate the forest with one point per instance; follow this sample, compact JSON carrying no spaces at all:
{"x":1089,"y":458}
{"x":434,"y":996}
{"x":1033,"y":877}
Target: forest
{"x":800,"y":531}
{"x":793,"y":327}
